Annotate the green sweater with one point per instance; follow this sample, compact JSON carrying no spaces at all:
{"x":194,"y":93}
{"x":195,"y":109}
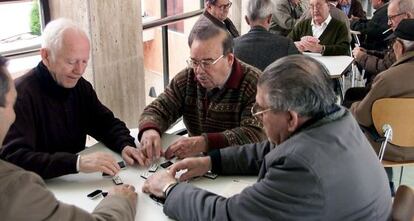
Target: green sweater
{"x":223,"y":116}
{"x":334,"y":38}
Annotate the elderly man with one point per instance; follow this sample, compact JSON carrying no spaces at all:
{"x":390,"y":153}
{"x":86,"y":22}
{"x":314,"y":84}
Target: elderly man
{"x":397,"y":81}
{"x":56,"y":108}
{"x":259,"y":47}
{"x":373,"y":61}
{"x":25,"y":196}
{"x":285,"y":16}
{"x":377,"y":60}
{"x":374,"y":28}
{"x":214,"y":95}
{"x":322,"y":33}
{"x":216,"y":12}
{"x":308,"y":169}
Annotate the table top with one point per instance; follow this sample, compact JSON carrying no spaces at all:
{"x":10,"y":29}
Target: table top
{"x":336,"y":65}
{"x":73,"y":188}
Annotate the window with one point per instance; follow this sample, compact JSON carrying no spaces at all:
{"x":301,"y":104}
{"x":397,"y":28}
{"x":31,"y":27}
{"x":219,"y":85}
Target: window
{"x":175,"y":7}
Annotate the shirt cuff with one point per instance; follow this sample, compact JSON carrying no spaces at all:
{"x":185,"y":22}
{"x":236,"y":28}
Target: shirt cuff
{"x":77,"y":163}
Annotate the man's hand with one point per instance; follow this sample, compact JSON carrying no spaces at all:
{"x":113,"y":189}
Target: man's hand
{"x":195,"y":166}
{"x":151,"y":143}
{"x":132,"y":154}
{"x":358,"y":52}
{"x":126,"y":191}
{"x":299,"y":46}
{"x":186,"y":147}
{"x":155,"y":183}
{"x":98,"y":161}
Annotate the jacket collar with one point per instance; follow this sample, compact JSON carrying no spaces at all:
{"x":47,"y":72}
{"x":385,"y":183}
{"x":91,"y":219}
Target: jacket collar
{"x":236,"y":75}
{"x":408,"y":57}
{"x":215,"y":20}
{"x":258,"y":28}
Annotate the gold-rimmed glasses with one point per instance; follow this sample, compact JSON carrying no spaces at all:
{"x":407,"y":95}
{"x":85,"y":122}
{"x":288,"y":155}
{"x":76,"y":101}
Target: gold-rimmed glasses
{"x":204,"y":64}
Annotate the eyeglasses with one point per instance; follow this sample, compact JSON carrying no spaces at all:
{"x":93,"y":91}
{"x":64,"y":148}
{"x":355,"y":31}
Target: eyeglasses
{"x":257,"y":110}
{"x":224,"y":6}
{"x":204,"y":64}
{"x":392,"y":17}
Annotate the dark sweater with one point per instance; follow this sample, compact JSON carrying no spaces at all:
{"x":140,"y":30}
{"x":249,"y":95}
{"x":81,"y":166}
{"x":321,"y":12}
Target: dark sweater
{"x":227,"y":24}
{"x":52,"y":123}
{"x":335,"y":36}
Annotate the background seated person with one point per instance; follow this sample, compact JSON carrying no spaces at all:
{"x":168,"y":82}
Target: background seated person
{"x":352,"y":8}
{"x":334,"y":12}
{"x":216,"y":12}
{"x":56,"y":108}
{"x":376,"y":61}
{"x":25,"y":196}
{"x":322,"y":33}
{"x":397,"y":81}
{"x":307,"y":169}
{"x":373,"y":29}
{"x":214,"y":95}
{"x":285,"y":16}
{"x":259,"y":47}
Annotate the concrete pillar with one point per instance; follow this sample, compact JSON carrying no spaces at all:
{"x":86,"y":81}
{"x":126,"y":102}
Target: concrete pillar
{"x":235,"y":14}
{"x":116,"y":63}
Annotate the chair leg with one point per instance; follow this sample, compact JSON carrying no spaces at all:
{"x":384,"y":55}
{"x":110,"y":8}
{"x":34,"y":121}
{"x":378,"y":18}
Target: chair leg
{"x":401,"y":173}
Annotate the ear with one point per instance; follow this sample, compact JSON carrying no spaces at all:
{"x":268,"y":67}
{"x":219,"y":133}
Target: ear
{"x":247,"y":19}
{"x":230,"y":58}
{"x":45,"y":54}
{"x":293,"y":121}
{"x":269,"y":19}
{"x":208,"y":6}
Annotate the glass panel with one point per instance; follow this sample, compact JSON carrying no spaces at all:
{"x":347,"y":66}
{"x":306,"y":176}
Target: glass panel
{"x":20,"y":30}
{"x":177,"y":42}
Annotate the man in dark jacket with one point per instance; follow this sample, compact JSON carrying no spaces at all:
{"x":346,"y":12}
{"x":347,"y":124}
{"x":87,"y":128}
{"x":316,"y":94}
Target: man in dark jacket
{"x":216,"y":12}
{"x":259,"y":47}
{"x":374,"y":28}
{"x":56,"y":108}
{"x":307,"y":169}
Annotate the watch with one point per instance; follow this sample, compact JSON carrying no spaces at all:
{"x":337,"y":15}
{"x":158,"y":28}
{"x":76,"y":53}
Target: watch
{"x":168,"y":187}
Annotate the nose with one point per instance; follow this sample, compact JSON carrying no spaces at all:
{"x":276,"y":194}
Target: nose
{"x":390,"y":23}
{"x":79,"y":68}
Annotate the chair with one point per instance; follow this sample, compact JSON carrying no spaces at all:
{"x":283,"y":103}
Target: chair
{"x":393,"y":119}
{"x":403,"y":206}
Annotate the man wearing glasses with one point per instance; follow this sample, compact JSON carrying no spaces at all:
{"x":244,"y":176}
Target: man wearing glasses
{"x":214,"y":95}
{"x":377,"y":60}
{"x":216,"y":11}
{"x":315,"y":165}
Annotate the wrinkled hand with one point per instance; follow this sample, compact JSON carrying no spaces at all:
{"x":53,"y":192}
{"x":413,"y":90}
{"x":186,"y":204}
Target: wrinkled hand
{"x":195,"y":166}
{"x":155,"y":183}
{"x":311,"y":44}
{"x":126,"y":191}
{"x":151,"y":143}
{"x":299,"y":46}
{"x":186,"y":147}
{"x":132,"y":155}
{"x":358,"y":52}
{"x":98,"y":161}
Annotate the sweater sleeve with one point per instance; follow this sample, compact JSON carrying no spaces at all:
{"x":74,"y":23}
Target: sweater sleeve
{"x":166,"y":108}
{"x":20,"y":146}
{"x":31,"y":195}
{"x":104,"y":126}
{"x":375,"y":64}
{"x":339,"y":45}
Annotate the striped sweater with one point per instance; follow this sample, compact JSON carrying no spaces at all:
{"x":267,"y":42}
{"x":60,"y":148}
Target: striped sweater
{"x":222,"y":115}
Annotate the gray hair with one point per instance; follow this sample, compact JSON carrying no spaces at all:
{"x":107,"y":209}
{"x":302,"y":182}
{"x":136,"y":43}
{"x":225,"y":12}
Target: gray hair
{"x":259,"y":9}
{"x":4,"y":81}
{"x":298,"y":83}
{"x":405,"y":6}
{"x":52,"y":36}
{"x":206,"y":30}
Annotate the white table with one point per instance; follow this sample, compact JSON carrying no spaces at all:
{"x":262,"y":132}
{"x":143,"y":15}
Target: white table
{"x":336,"y":65}
{"x":72,"y":189}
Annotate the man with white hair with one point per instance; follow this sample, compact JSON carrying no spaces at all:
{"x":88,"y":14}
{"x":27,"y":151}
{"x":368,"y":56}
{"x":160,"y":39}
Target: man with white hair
{"x":322,"y":33}
{"x":56,"y":108}
{"x":24,"y":194}
{"x":259,"y":47}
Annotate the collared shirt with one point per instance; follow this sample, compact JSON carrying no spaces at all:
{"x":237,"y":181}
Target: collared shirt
{"x":317,"y":30}
{"x":346,"y":8}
